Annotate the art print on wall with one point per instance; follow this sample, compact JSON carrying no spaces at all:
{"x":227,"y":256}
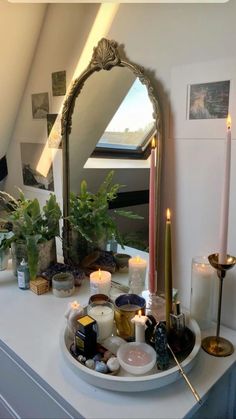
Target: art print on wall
{"x":202,"y":95}
{"x":209,"y":100}
{"x":34,"y":175}
{"x":59,"y":83}
{"x":40,"y":105}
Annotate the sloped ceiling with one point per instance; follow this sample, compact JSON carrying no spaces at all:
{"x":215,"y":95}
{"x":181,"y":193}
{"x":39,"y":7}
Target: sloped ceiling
{"x":20,"y":26}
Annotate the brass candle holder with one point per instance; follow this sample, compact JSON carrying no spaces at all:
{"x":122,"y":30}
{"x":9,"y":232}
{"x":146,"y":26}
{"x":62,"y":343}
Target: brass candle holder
{"x":216,"y":345}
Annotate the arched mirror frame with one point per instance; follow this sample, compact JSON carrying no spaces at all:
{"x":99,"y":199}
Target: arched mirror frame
{"x":105,"y":56}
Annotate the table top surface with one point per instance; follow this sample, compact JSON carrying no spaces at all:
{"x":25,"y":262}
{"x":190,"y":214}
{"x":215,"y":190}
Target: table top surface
{"x":31,"y":325}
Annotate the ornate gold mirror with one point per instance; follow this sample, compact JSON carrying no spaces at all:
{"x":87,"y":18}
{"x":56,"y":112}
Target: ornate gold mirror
{"x":110,"y":92}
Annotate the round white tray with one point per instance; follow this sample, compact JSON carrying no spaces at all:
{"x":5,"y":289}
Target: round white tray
{"x":124,"y":381}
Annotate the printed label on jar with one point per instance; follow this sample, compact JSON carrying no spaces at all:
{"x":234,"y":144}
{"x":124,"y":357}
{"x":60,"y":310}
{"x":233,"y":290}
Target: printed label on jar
{"x":21,"y":279}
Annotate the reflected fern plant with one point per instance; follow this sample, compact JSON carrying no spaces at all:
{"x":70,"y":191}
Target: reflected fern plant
{"x":31,"y":224}
{"x":90,"y":215}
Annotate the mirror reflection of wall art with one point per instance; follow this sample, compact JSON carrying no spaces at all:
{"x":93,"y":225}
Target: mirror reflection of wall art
{"x":54,"y":130}
{"x":209,"y":100}
{"x":32,"y":176}
{"x":59,"y":83}
{"x":40,"y":105}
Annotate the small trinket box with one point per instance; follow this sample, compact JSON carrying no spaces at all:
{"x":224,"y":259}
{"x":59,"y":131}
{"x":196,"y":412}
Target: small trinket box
{"x":86,"y":336}
{"x":39,"y":286}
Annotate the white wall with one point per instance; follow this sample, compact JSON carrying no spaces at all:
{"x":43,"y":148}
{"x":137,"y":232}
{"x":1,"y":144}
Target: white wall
{"x":19,"y":30}
{"x":160,"y":37}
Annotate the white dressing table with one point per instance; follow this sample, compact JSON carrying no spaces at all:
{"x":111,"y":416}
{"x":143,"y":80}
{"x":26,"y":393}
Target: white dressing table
{"x":36,"y":381}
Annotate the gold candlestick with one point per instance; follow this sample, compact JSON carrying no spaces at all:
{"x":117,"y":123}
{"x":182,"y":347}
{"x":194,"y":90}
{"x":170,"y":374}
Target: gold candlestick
{"x":216,"y":345}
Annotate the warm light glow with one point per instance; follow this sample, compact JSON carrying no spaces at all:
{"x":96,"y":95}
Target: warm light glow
{"x":168,"y":214}
{"x":139,"y":313}
{"x":137,"y":259}
{"x":75,"y":305}
{"x":153,"y":144}
{"x":100,"y":28}
{"x":228,"y":122}
{"x":99,"y":274}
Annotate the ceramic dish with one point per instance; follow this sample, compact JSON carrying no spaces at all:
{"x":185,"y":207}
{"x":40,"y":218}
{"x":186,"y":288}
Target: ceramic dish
{"x":123,"y":381}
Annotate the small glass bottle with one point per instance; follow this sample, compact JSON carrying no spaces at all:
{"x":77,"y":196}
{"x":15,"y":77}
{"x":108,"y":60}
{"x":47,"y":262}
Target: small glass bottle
{"x":23,"y":275}
{"x":112,"y":244}
{"x":177,"y":319}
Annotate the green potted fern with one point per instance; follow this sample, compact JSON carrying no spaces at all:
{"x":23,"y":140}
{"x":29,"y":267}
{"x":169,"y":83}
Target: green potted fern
{"x":34,"y":230}
{"x":91,"y":222}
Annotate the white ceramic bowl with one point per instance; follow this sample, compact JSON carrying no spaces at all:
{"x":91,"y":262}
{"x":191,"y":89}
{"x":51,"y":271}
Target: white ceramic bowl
{"x":136,"y":358}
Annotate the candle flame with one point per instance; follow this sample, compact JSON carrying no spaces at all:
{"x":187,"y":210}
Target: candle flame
{"x":228,"y":122}
{"x":168,"y":214}
{"x":137,"y":259}
{"x":153,"y":143}
{"x":75,"y":304}
{"x":99,"y":274}
{"x":139,"y":313}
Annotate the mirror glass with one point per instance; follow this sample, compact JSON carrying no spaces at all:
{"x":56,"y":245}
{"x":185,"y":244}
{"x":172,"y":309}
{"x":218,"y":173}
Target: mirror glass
{"x":111,"y":104}
{"x":112,"y":109}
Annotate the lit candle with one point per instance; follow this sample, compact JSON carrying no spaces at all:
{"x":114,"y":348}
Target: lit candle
{"x":168,"y":270}
{"x":72,"y":314}
{"x":137,"y":274}
{"x":100,"y":282}
{"x":152,"y":220}
{"x":140,"y":326}
{"x":225,"y":197}
{"x":104,"y":316}
{"x":201,"y":292}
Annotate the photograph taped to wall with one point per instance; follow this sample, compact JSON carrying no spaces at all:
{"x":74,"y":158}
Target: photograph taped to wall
{"x":33,"y":175}
{"x":40,"y":105}
{"x":208,"y":100}
{"x":202,"y":75}
{"x":59,"y":83}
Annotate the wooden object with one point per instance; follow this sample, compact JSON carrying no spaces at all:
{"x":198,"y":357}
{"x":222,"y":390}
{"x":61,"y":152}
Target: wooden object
{"x":39,"y":286}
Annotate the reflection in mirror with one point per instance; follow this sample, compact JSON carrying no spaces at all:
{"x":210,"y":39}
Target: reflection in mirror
{"x":110,"y":106}
{"x":132,"y":124}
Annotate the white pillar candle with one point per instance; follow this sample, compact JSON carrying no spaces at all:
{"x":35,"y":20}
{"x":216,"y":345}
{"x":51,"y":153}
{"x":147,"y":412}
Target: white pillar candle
{"x":137,"y":274}
{"x":100,"y":282}
{"x":202,"y":292}
{"x":225,"y":197}
{"x":140,"y":326}
{"x":72,"y":314}
{"x":104,"y":316}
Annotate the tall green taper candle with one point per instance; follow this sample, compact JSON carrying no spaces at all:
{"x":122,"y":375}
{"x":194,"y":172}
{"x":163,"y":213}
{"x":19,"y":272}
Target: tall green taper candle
{"x":168,"y":270}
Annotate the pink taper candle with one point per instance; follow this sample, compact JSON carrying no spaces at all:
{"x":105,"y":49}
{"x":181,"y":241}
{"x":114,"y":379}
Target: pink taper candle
{"x":225,"y":197}
{"x":152,"y":220}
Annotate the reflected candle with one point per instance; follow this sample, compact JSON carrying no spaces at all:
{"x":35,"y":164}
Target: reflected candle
{"x":100,"y":282}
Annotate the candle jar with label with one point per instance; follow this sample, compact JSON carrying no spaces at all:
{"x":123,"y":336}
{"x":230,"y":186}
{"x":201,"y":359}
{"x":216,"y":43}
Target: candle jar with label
{"x":103,"y":313}
{"x":202,"y":283}
{"x":137,"y":274}
{"x":100,"y":282}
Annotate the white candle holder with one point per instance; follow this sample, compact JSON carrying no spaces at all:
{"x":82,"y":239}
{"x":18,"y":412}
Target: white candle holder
{"x":202,"y":281}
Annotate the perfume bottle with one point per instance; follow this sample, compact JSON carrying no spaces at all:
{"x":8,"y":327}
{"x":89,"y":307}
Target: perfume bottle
{"x":177,"y":318}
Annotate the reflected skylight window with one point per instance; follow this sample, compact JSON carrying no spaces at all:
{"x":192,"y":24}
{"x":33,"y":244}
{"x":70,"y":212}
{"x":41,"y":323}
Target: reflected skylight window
{"x":132,"y":125}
